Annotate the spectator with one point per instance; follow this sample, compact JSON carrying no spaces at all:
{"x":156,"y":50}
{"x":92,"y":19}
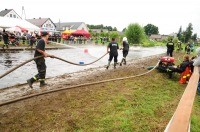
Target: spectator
{"x":197,"y":63}
{"x":180,"y":68}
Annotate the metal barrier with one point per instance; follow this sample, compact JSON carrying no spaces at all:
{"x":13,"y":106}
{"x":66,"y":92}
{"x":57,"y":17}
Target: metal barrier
{"x":180,"y":121}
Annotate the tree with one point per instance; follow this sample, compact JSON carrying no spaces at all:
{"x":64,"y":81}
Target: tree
{"x":150,"y":29}
{"x":135,"y":33}
{"x":114,"y":29}
{"x":114,"y":34}
{"x":102,"y":34}
{"x":188,"y":32}
{"x":175,"y":40}
{"x":124,"y":30}
{"x":102,"y":27}
{"x":179,"y":35}
{"x":194,"y":37}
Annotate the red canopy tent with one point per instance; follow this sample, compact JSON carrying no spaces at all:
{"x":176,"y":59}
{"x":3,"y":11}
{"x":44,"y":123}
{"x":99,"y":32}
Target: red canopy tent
{"x":22,"y":29}
{"x":81,"y":32}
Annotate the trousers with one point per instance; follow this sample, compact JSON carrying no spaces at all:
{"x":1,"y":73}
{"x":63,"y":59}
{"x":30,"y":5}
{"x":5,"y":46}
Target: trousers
{"x":111,"y":57}
{"x":41,"y":67}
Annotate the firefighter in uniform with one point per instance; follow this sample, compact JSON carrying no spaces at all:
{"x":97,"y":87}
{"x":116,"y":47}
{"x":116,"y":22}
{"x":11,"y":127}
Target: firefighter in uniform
{"x":113,"y":46}
{"x":125,"y":50}
{"x":170,"y":48}
{"x":180,"y":68}
{"x":179,"y":47}
{"x":40,"y":63}
{"x":5,"y":38}
{"x":32,"y":40}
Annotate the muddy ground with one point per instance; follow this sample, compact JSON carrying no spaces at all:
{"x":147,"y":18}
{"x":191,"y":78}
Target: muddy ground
{"x":14,"y":116}
{"x":133,"y":67}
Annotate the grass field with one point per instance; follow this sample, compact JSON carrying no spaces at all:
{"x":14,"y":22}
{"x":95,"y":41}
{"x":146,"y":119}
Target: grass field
{"x":142,"y":104}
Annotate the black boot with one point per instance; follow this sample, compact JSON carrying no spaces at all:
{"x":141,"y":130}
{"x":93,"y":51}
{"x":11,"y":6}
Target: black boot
{"x":115,"y":63}
{"x":121,"y":62}
{"x":108,"y":65}
{"x":124,"y":61}
{"x":42,"y":84}
{"x":30,"y":82}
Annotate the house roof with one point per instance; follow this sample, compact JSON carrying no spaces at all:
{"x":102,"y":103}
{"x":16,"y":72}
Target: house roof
{"x":4,"y":12}
{"x":38,"y":22}
{"x":72,"y":25}
{"x":155,"y":36}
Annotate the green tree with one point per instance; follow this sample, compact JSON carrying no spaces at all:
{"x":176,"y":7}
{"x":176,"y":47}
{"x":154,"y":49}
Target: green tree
{"x":150,"y":29}
{"x":107,"y":34}
{"x":114,"y":29}
{"x":188,"y":32}
{"x":194,"y":37}
{"x":124,"y":30}
{"x":114,"y":34}
{"x":102,"y":34}
{"x":135,"y":33}
{"x":175,"y":40}
{"x":179,"y":35}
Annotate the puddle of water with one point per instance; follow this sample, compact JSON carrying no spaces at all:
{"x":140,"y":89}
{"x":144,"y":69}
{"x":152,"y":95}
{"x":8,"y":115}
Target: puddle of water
{"x":56,"y":67}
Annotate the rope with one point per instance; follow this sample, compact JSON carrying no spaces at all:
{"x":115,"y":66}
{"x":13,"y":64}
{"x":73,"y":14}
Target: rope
{"x":11,"y":70}
{"x":71,"y":87}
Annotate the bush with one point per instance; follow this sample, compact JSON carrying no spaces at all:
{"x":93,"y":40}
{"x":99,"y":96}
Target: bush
{"x":175,"y":40}
{"x":135,"y":34}
{"x":148,"y":44}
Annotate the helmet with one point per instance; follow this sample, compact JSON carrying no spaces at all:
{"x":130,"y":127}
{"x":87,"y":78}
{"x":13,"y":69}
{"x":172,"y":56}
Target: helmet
{"x":124,"y":39}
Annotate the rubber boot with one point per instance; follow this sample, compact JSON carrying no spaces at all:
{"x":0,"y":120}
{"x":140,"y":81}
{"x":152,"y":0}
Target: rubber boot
{"x":30,"y":82}
{"x":108,"y":65}
{"x":124,"y":61}
{"x":115,"y":63}
{"x":121,"y":62}
{"x":42,"y":84}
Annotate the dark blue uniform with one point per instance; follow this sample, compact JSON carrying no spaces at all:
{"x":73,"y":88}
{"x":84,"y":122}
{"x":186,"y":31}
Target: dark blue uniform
{"x":113,"y":51}
{"x":170,"y":48}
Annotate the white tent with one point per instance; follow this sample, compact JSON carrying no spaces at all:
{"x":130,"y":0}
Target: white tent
{"x":6,"y":22}
{"x":12,"y":29}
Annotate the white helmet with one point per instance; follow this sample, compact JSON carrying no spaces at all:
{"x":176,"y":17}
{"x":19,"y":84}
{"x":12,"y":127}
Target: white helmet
{"x":124,"y":39}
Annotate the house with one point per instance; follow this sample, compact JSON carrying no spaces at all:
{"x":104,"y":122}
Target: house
{"x":99,"y":30}
{"x":45,"y":24}
{"x":62,"y":26}
{"x":156,"y":37}
{"x":164,"y":37}
{"x":9,"y":13}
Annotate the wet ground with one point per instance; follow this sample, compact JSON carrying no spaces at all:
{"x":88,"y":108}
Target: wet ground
{"x":57,"y":67}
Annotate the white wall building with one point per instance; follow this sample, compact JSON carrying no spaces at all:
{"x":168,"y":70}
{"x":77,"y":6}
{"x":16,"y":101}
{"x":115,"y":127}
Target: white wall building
{"x":9,"y":13}
{"x":61,"y":26}
{"x":45,"y":24}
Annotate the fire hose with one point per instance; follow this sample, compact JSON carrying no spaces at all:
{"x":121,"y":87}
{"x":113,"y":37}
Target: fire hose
{"x":76,"y":86}
{"x":11,"y":70}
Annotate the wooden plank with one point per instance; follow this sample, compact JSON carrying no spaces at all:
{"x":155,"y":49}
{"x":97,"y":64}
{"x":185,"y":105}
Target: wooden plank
{"x":181,"y":119}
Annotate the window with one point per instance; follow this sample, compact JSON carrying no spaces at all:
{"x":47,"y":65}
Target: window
{"x":10,"y":15}
{"x":14,"y":16}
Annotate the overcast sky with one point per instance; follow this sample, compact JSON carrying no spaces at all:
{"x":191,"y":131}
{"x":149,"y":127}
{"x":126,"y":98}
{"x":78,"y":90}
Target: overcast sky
{"x":168,"y":15}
